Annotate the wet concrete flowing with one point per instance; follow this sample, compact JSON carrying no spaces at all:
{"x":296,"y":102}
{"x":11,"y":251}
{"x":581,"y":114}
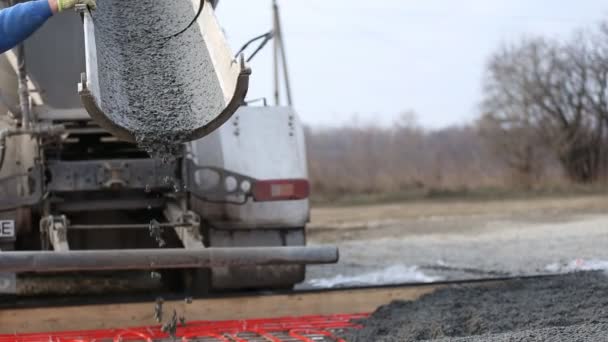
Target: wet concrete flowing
{"x":572,"y":307}
{"x":160,"y":89}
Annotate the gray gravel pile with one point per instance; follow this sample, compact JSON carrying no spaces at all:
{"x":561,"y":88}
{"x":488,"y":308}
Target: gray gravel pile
{"x":572,"y":307}
{"x":160,"y":89}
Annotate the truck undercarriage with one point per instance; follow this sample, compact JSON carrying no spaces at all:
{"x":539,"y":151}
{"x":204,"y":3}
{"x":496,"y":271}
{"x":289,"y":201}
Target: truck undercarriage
{"x":77,"y":194}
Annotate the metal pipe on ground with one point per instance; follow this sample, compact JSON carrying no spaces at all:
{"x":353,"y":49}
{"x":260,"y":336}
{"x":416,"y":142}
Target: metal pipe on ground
{"x":150,"y":259}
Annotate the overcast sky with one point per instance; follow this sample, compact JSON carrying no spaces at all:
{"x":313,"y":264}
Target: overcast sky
{"x":378,"y":58}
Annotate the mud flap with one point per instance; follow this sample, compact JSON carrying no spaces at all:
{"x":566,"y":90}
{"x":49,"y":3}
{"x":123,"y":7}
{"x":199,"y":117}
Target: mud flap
{"x":8,"y":283}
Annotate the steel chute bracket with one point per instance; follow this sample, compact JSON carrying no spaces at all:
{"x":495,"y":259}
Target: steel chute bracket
{"x":309,"y":328}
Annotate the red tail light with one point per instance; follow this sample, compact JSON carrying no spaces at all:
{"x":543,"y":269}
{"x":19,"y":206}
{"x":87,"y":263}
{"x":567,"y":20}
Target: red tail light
{"x":281,"y":190}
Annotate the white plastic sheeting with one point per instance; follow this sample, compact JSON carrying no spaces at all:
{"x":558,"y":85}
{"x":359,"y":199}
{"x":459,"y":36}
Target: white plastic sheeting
{"x":395,"y":274}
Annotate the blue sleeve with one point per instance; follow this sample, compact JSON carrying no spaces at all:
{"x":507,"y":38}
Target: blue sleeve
{"x":20,"y":21}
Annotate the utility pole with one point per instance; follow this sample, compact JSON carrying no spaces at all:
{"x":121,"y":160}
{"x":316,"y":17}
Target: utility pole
{"x":280,"y":58}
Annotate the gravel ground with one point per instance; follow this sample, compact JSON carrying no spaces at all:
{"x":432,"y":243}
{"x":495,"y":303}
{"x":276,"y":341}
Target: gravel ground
{"x":571,"y":307}
{"x":422,"y":242}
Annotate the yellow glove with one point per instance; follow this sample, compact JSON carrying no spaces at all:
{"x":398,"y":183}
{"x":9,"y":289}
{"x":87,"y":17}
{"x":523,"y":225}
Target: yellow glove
{"x":67,"y":4}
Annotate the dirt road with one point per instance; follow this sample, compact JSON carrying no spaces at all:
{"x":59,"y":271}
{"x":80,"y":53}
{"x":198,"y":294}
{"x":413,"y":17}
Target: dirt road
{"x":441,"y":240}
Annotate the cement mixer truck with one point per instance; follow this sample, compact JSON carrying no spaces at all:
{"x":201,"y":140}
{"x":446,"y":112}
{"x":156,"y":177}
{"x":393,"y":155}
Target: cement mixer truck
{"x":131,"y":148}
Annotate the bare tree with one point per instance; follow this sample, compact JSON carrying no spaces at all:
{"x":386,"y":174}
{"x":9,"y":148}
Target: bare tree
{"x":557,"y":90}
{"x":515,"y":142}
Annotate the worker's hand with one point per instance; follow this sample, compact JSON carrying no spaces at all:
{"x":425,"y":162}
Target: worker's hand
{"x":68,"y":4}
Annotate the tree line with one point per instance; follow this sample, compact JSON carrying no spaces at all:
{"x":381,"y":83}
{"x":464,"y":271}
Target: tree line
{"x":365,"y":158}
{"x":543,"y":118}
